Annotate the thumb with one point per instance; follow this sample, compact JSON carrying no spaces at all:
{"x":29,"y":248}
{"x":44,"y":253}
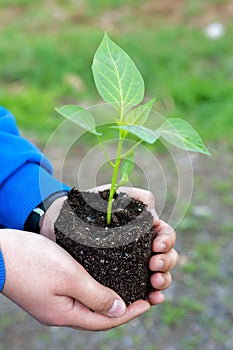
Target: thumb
{"x":95,"y":296}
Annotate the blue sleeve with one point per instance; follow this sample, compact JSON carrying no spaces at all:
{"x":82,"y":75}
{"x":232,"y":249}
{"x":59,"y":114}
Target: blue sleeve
{"x":25,"y":175}
{"x":2,"y":272}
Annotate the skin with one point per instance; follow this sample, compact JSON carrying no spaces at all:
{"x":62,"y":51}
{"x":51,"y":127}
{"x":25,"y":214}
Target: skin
{"x":45,"y":281}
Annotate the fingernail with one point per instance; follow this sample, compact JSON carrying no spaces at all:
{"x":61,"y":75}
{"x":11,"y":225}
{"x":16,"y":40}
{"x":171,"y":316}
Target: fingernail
{"x":162,"y":247}
{"x":117,"y":309}
{"x":161,"y":281}
{"x":161,"y":264}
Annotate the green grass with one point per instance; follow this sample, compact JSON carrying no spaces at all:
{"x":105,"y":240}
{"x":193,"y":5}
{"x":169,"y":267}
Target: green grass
{"x":205,"y":272}
{"x":176,"y":313}
{"x":46,"y":61}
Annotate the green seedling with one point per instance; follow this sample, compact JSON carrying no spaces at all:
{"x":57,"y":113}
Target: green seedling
{"x":121,"y":85}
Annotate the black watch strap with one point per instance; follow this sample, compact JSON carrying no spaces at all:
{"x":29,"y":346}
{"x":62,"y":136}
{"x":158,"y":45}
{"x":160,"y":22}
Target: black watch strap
{"x":32,"y":223}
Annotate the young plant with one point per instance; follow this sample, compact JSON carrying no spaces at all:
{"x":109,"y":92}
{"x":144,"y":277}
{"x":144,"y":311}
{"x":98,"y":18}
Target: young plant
{"x":121,"y":85}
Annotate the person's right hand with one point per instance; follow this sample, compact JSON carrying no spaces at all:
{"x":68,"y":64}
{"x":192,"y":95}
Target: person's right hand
{"x":44,"y":280}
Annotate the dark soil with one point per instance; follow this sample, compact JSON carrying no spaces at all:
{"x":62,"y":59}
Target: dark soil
{"x":116,"y":255}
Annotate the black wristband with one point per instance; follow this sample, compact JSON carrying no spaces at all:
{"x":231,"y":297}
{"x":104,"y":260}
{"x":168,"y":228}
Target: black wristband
{"x":32,"y":223}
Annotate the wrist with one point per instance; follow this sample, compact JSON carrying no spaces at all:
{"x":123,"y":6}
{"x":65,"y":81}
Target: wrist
{"x":48,"y":219}
{"x":35,"y":218}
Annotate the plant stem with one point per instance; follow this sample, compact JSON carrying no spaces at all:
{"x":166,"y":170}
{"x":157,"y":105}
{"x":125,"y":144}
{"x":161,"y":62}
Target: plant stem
{"x":105,"y":152}
{"x":114,"y":176}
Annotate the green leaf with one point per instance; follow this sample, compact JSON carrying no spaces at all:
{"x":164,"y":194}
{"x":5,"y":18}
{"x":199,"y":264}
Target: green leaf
{"x":126,"y":169}
{"x":117,"y":78}
{"x":139,"y":114}
{"x":79,"y":116}
{"x":180,"y":133}
{"x":141,"y":132}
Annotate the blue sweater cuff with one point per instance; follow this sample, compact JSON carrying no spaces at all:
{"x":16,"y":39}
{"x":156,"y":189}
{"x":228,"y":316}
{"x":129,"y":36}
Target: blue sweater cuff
{"x":23,"y":191}
{"x":2,"y":272}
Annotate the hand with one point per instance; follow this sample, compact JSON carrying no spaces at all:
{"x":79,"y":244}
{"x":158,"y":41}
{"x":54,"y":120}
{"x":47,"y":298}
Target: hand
{"x":166,"y":256}
{"x":49,"y":284}
{"x":49,"y":218}
{"x":161,"y":263}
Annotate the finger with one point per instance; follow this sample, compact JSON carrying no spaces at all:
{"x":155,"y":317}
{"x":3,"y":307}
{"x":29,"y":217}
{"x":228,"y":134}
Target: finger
{"x":145,"y":196}
{"x":156,"y":297}
{"x":82,"y":318}
{"x":163,"y":228}
{"x":156,"y":218}
{"x":92,"y":294}
{"x":161,"y":280}
{"x":165,"y":238}
{"x":164,"y":262}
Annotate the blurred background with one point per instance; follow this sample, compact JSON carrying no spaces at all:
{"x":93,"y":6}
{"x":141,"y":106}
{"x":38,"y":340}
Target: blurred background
{"x":184,"y":51}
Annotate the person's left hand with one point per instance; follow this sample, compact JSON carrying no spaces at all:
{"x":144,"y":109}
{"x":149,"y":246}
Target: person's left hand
{"x":165,"y":256}
{"x":163,"y":261}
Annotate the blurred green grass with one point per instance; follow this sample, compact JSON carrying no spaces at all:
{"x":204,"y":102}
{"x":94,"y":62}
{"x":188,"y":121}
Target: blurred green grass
{"x":47,"y":50}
